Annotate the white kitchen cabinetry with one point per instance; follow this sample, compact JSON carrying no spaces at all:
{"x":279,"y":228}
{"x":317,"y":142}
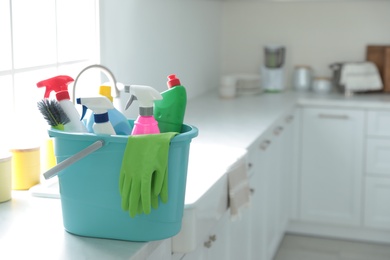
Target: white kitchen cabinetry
{"x":240,"y":236}
{"x":331,"y":165}
{"x":377,"y":186}
{"x":215,"y":244}
{"x":378,"y":156}
{"x":270,"y":157}
{"x":377,"y":203}
{"x":163,"y":251}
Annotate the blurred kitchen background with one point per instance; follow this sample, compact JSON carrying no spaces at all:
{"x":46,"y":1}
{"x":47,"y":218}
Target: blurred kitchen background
{"x":143,"y":41}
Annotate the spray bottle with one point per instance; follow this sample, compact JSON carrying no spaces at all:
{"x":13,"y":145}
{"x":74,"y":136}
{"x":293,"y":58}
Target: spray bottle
{"x":145,"y":122}
{"x":170,"y":111}
{"x":59,"y":84}
{"x":100,"y":107}
{"x":117,"y":119}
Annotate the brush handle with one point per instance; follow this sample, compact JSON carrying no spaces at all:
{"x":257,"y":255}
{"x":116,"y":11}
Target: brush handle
{"x":74,"y":158}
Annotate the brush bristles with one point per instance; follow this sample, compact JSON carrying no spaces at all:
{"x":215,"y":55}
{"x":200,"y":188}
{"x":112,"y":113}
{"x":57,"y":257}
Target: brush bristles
{"x":53,"y":112}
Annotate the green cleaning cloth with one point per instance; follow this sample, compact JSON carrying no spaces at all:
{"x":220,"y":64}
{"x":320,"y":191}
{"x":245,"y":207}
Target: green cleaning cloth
{"x":144,"y":172}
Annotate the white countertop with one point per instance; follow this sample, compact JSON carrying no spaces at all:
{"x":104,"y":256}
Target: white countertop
{"x":31,"y":227}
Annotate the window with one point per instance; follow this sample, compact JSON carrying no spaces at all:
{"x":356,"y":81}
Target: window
{"x":40,"y":39}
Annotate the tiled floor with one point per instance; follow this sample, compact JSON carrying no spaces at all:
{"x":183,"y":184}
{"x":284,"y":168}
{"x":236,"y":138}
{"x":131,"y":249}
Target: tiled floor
{"x":295,"y":247}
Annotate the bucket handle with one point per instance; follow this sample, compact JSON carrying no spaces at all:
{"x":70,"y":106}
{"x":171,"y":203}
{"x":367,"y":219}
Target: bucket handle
{"x":104,"y":69}
{"x":74,"y":158}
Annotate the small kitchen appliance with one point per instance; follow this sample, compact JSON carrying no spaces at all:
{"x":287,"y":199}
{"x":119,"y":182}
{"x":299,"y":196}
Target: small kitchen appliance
{"x":356,"y":77}
{"x":272,"y":70}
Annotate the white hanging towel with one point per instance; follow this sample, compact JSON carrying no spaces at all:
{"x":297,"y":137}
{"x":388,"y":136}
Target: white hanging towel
{"x":238,"y":189}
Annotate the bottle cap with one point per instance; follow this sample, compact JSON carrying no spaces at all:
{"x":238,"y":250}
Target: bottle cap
{"x":106,"y":91}
{"x":63,"y":94}
{"x":173,"y":81}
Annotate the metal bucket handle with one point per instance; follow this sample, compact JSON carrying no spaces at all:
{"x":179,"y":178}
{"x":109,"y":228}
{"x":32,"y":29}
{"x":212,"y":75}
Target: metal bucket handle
{"x":74,"y":158}
{"x":107,"y":72}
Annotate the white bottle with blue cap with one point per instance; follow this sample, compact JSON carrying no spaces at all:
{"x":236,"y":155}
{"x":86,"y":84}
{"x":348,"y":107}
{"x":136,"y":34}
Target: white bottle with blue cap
{"x":100,"y":107}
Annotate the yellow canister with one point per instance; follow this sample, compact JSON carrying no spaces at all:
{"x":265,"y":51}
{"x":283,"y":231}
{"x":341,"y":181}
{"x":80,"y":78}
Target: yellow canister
{"x":5,"y":176}
{"x":26,"y":168}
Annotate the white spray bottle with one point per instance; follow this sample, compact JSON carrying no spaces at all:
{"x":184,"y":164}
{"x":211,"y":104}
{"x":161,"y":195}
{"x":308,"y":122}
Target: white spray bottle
{"x":59,"y":84}
{"x":145,"y":123}
{"x":100,"y":107}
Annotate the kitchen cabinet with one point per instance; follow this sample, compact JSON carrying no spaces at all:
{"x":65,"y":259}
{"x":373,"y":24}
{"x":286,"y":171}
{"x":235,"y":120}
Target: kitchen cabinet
{"x":377,"y":206}
{"x":378,"y":156}
{"x":215,"y":243}
{"x":271,"y":162}
{"x":258,"y":159}
{"x":163,"y":251}
{"x":377,"y":180}
{"x":331,"y":165}
{"x":240,"y":236}
{"x":288,"y":158}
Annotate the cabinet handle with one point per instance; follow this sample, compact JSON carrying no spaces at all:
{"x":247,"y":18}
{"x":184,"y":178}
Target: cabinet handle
{"x":333,"y":116}
{"x":207,"y":244}
{"x":213,"y":238}
{"x":250,"y":165}
{"x":252,"y":191}
{"x":278,"y":130}
{"x":264,"y":145}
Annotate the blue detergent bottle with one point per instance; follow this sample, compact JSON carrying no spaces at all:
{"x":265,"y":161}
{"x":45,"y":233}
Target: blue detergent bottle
{"x":118,"y":120}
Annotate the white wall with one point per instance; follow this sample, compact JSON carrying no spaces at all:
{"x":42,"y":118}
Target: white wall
{"x":143,"y":41}
{"x":316,"y":33}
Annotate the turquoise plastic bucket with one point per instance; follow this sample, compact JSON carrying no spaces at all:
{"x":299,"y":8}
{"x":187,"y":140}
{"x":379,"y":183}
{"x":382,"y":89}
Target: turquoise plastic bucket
{"x":90,"y":198}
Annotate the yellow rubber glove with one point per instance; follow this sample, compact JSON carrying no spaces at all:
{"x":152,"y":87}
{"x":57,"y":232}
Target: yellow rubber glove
{"x":144,"y":173}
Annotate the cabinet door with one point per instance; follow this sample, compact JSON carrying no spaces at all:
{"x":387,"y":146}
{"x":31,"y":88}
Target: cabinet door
{"x":258,"y":211}
{"x":331,"y":165}
{"x":219,"y":240}
{"x":239,"y":236}
{"x":287,"y":166}
{"x":272,"y":170}
{"x":266,"y":229}
{"x":163,"y":251}
{"x":215,"y":245}
{"x":378,"y":156}
{"x":378,"y":123}
{"x":377,"y":203}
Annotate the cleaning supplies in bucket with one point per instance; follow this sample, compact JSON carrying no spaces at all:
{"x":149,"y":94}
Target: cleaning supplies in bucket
{"x":100,"y":107}
{"x":144,"y":172}
{"x":146,"y":95}
{"x":59,"y":84}
{"x":117,"y":119}
{"x":107,"y":177}
{"x":169,"y":112}
{"x":53,"y":113}
{"x":90,"y":197}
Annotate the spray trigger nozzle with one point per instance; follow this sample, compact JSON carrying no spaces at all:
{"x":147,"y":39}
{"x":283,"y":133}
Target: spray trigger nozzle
{"x":145,"y":95}
{"x":56,"y":84}
{"x":130,"y":101}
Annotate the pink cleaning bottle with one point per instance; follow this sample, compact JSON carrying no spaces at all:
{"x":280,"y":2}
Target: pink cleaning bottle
{"x":145,"y":122}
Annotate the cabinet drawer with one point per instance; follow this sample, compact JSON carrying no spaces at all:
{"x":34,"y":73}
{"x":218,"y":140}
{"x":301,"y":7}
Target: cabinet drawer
{"x":377,"y":206}
{"x":378,"y":123}
{"x":378,"y":156}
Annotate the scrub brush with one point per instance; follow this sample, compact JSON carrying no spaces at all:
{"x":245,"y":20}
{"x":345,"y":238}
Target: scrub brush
{"x":53,"y":113}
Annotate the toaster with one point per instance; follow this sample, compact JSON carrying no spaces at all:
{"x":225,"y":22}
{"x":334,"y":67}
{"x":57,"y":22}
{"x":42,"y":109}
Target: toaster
{"x":356,"y":77}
